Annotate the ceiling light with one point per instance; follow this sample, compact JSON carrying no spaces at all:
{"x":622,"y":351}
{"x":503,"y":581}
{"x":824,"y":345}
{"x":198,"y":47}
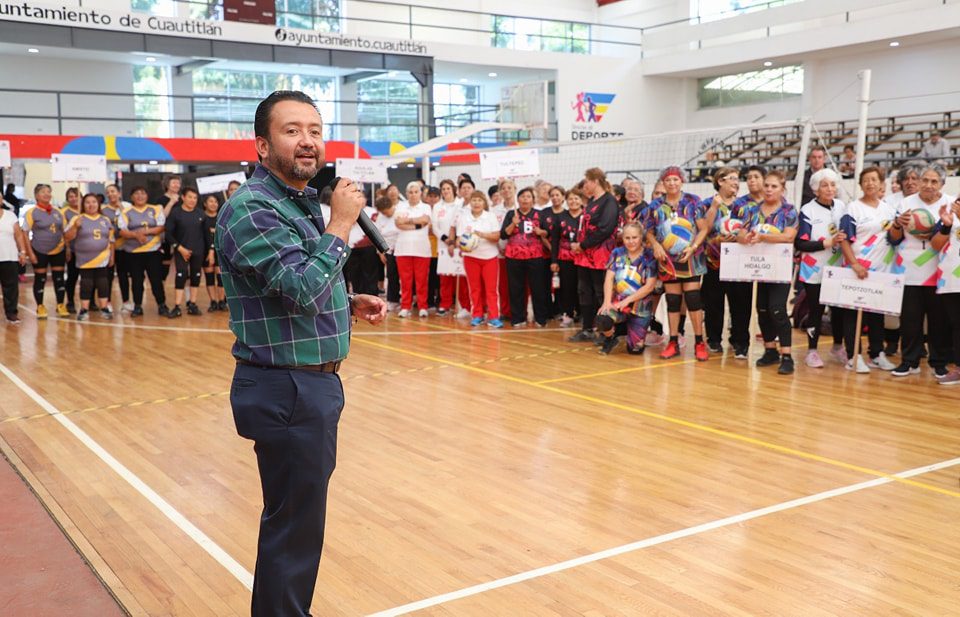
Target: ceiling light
{"x":153,"y":162}
{"x":491,"y":74}
{"x":894,"y":43}
{"x":150,"y":59}
{"x":391,"y":167}
{"x":33,"y":50}
{"x":244,"y":163}
{"x":768,"y":63}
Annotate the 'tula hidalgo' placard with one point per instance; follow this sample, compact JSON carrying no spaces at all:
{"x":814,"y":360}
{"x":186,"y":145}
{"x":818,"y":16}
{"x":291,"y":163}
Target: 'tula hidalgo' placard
{"x":880,"y":292}
{"x":79,"y":168}
{"x":363,"y":170}
{"x":5,"y":154}
{"x":764,"y":263}
{"x":509,"y":163}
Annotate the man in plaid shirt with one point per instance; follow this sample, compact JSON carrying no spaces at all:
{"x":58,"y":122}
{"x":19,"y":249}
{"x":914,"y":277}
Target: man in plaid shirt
{"x":289,"y":309}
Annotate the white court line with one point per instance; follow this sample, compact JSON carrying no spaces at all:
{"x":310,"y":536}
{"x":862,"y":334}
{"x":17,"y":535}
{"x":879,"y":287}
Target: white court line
{"x":178,"y":519}
{"x":661,"y":539}
{"x":109,"y":324}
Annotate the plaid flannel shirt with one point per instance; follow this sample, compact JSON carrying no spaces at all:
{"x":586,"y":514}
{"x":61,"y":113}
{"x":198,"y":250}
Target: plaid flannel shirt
{"x":282,"y":275}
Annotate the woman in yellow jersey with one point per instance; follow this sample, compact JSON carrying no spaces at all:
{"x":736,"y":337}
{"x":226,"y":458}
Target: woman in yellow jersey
{"x":92,"y":237}
{"x":44,"y":224}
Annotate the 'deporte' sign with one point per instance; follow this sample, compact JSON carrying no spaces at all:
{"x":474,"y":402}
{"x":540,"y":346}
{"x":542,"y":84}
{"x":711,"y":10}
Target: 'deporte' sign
{"x":764,"y":263}
{"x":509,"y":163}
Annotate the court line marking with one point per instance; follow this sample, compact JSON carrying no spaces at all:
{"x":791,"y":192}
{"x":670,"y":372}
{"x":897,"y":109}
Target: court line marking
{"x":192,"y":531}
{"x":656,"y":540}
{"x":677,"y":421}
{"x":616,"y":372}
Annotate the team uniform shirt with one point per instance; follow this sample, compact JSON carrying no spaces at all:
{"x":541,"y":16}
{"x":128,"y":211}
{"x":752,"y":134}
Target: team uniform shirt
{"x":565,"y":234}
{"x":662,"y":217}
{"x":186,"y":228}
{"x":8,"y":242}
{"x":630,"y":275}
{"x":91,"y":247}
{"x":500,"y":211}
{"x":46,"y":230}
{"x":948,"y":272}
{"x":485,"y":223}
{"x":144,"y":218}
{"x":388,"y":228}
{"x":550,"y":221}
{"x":523,"y":243}
{"x":742,"y":204}
{"x":413,"y":242}
{"x":598,"y":232}
{"x":712,"y":243}
{"x":113,"y":215}
{"x":817,"y":223}
{"x":866,"y":229}
{"x":68,"y":215}
{"x":916,"y":259}
{"x":782,"y":218}
{"x":444,"y":216}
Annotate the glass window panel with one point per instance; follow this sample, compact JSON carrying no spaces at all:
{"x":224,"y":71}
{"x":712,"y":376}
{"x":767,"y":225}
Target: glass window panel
{"x":752,"y":87}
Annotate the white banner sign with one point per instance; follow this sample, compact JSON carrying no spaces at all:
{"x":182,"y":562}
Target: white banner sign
{"x":450,"y":265}
{"x":5,"y":154}
{"x":79,"y":168}
{"x":764,"y":263}
{"x":363,"y":170}
{"x":509,"y":164}
{"x":880,"y":292}
{"x":219,"y":183}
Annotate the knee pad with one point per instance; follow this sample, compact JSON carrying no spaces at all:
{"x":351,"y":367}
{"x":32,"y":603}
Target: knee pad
{"x":219,"y":280}
{"x":778,"y":314}
{"x":674,"y":303}
{"x":694,"y":301}
{"x":210,"y":278}
{"x":58,"y":279}
{"x":604,"y":323}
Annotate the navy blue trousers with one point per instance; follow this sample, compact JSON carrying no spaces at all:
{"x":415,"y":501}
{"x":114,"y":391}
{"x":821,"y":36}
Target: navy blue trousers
{"x":291,"y":416}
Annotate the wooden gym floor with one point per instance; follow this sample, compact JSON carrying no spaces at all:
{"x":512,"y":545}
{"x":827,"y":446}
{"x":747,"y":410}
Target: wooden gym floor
{"x":497,"y":473}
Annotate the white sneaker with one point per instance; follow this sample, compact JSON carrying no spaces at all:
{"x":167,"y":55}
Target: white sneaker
{"x":393,"y":306}
{"x":464,"y":314}
{"x":653,"y":339}
{"x":861,"y":365}
{"x":423,"y":313}
{"x":881,"y":363}
{"x":566,"y":321}
{"x":404,"y":313}
{"x":127,"y":307}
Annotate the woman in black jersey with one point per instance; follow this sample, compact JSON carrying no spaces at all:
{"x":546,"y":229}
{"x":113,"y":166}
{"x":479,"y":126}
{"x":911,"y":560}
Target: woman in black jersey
{"x":211,"y":269}
{"x":561,"y":262}
{"x":185,"y":232}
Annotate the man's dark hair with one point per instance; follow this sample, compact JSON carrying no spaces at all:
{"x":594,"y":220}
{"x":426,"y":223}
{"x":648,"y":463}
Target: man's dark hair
{"x":190,"y":189}
{"x":261,"y":120}
{"x":138,"y":187}
{"x":433,"y":191}
{"x":759,"y":168}
{"x":493,"y":189}
{"x":819,"y":147}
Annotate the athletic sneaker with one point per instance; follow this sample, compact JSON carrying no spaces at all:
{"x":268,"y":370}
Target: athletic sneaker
{"x":494,"y":323}
{"x":519,"y":324}
{"x":127,"y":307}
{"x":137,"y":311}
{"x":463,"y":314}
{"x":62,"y":310}
{"x":701,"y":353}
{"x":715,"y":347}
{"x":82,"y":315}
{"x":393,"y":306}
{"x":903,"y":369}
{"x":476,"y":321}
{"x":106,"y":313}
{"x":213,"y":308}
{"x":813,"y":359}
{"x":861,"y":365}
{"x":163,"y":311}
{"x":740,"y":353}
{"x":581,"y":337}
{"x":404,"y":313}
{"x":441,"y":312}
{"x":786,"y":366}
{"x":609,"y":344}
{"x":222,"y":305}
{"x":769,"y":357}
{"x":939,"y":372}
{"x":13,"y":320}
{"x":653,"y":339}
{"x":423,"y":313}
{"x":175,"y":312}
{"x":71,"y":308}
{"x":950,"y":379}
{"x":672,"y":350}
{"x":41,"y":312}
{"x":635,"y":351}
{"x":838,"y":352}
{"x":881,"y":363}
{"x":193,"y":309}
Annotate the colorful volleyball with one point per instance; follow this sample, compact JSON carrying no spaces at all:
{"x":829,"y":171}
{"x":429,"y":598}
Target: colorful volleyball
{"x":679,"y":237}
{"x":767,"y":228}
{"x":921,"y":222}
{"x":729,"y":226}
{"x":468,"y":242}
{"x":628,"y":281}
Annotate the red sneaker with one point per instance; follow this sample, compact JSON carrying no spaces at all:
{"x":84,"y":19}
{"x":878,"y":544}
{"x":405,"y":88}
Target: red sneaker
{"x":701,"y":352}
{"x":672,"y":350}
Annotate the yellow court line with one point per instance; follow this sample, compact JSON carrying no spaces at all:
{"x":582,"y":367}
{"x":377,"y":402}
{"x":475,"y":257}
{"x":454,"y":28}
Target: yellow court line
{"x":617,"y":372}
{"x":677,"y":421}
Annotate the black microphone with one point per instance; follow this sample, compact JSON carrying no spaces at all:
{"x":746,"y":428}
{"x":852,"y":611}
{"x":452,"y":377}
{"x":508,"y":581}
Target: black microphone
{"x":369,"y":228}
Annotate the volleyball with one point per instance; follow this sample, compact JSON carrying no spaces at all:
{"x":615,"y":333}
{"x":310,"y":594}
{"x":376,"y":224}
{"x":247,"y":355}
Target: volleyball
{"x":679,"y":237}
{"x":767,"y":228}
{"x":921,"y":222}
{"x":628,"y":281}
{"x":468,"y":242}
{"x":729,"y":225}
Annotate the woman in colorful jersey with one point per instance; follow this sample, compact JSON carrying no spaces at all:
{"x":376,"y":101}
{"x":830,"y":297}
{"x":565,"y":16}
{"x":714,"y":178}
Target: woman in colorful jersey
{"x":525,"y":235}
{"x":211,"y":267}
{"x":629,"y":282}
{"x":44,"y":224}
{"x":772,"y":297}
{"x":596,"y":239}
{"x":443,"y":219}
{"x":413,"y":250}
{"x":92,"y":237}
{"x":947,"y":241}
{"x":818,"y":241}
{"x":726,"y":183}
{"x":863,"y":226}
{"x":71,"y":209}
{"x":917,"y":260}
{"x":481,"y":264}
{"x":112,"y":210}
{"x":561,"y":255}
{"x":142,"y":226}
{"x":682,"y":261}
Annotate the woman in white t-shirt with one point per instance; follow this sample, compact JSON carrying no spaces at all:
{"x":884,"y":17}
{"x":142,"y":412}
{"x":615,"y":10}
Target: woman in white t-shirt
{"x":413,"y":250}
{"x":13,"y":254}
{"x":917,"y":261}
{"x":947,"y":241}
{"x":444,"y":217}
{"x":482,"y":263}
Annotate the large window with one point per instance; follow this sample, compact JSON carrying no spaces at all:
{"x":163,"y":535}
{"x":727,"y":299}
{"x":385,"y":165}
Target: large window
{"x":455,"y":105}
{"x":754,"y":87}
{"x":323,"y":15}
{"x":151,"y":89}
{"x":225,"y":101}
{"x":391,"y":106}
{"x":211,"y":9}
{"x":540,"y":35}
{"x":711,"y":10}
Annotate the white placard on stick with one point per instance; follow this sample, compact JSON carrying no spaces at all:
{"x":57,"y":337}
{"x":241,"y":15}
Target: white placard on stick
{"x":450,"y":265}
{"x":764,"y":263}
{"x":219,"y":183}
{"x":5,"y":154}
{"x":880,"y":292}
{"x":363,"y":170}
{"x":509,"y":163}
{"x":79,"y":168}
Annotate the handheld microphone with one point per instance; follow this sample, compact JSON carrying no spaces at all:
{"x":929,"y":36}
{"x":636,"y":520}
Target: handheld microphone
{"x":369,"y":228}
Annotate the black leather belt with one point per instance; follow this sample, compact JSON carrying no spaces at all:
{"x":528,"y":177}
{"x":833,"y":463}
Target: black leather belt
{"x":326,"y":367}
